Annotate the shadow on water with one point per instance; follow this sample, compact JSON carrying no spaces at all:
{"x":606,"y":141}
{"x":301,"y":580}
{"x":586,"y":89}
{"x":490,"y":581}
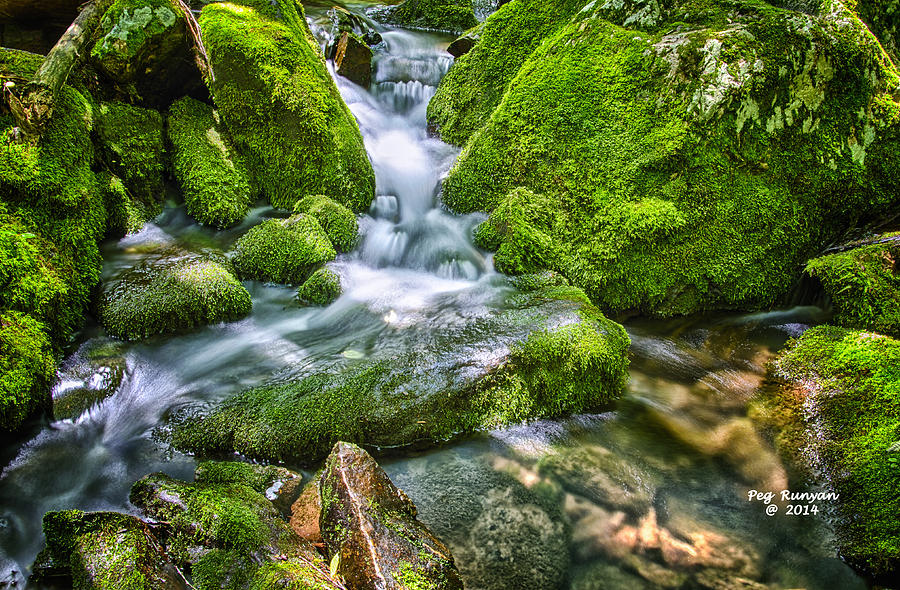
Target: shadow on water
{"x":652,"y":495}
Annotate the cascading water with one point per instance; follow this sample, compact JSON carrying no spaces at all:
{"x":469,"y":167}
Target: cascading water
{"x":415,"y":270}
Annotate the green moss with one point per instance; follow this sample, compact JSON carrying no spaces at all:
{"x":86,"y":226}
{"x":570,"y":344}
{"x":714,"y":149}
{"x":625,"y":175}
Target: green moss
{"x":410,"y":579}
{"x":452,"y":16}
{"x":282,"y":107}
{"x":127,"y":25}
{"x":883,"y":18}
{"x":133,"y":147}
{"x":27,"y":369}
{"x":410,"y":398}
{"x":126,"y":215}
{"x":321,"y":288}
{"x":672,"y":172}
{"x":283,"y":250}
{"x":338,"y":222}
{"x":171,"y":292}
{"x":473,"y":87}
{"x":212,"y":177}
{"x":256,"y":477}
{"x":17,"y":64}
{"x":849,"y":386}
{"x":293,"y":574}
{"x":222,"y":569}
{"x":864,"y":285}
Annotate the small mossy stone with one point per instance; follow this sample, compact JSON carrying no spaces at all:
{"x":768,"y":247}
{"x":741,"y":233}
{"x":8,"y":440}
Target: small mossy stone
{"x":338,"y":221}
{"x":171,"y":291}
{"x":213,"y":178}
{"x":27,"y":369}
{"x":283,"y":250}
{"x":841,"y":393}
{"x":451,"y":16}
{"x":281,"y":105}
{"x":125,"y":214}
{"x":323,"y":287}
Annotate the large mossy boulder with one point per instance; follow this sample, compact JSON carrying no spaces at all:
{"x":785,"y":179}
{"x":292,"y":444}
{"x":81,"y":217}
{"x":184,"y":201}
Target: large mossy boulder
{"x":548,"y":354}
{"x":281,"y":105}
{"x":213,"y":178}
{"x":863,"y":284}
{"x":231,"y":535}
{"x":145,"y":49}
{"x":132,"y":144}
{"x":172,"y":291}
{"x":283,"y":250}
{"x":838,"y":411}
{"x":104,"y":551}
{"x":27,"y":369}
{"x":450,"y":16}
{"x":675,"y":168}
{"x":370,"y":528}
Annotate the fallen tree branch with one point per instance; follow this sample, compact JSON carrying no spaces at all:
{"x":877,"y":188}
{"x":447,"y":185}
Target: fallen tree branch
{"x":200,"y":55}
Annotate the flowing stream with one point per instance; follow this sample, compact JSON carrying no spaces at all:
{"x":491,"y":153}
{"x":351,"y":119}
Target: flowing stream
{"x":524,"y":507}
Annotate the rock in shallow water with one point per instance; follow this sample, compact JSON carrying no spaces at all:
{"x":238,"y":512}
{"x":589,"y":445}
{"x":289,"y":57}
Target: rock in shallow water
{"x":549,"y":353}
{"x":371,"y":527}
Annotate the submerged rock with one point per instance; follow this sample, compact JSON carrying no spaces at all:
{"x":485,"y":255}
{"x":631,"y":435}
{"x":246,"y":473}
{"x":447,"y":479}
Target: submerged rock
{"x":323,"y":287}
{"x":213,"y":178}
{"x":736,"y":145}
{"x":549,"y":353}
{"x":145,"y":48}
{"x":95,"y":372}
{"x":864,"y":284}
{"x":104,"y":551}
{"x":353,"y":59}
{"x":171,"y":291}
{"x":283,"y":250}
{"x":132,"y":144}
{"x":281,"y":105}
{"x":451,"y":16}
{"x":371,"y":528}
{"x":837,"y":410}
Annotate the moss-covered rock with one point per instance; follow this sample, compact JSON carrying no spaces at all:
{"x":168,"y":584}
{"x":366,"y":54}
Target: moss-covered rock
{"x":864,"y":284}
{"x":675,"y":171}
{"x":323,"y":287}
{"x":544,"y":356}
{"x":338,"y":222}
{"x":451,"y":16}
{"x":883,"y":18}
{"x":132,"y":145}
{"x":95,"y":372}
{"x":281,"y":105}
{"x":104,"y":551}
{"x":283,"y":250}
{"x":213,"y":179}
{"x":27,"y":369}
{"x":145,"y":48}
{"x":125,"y":214}
{"x":169,"y":292}
{"x":841,"y":402}
{"x":370,"y":528}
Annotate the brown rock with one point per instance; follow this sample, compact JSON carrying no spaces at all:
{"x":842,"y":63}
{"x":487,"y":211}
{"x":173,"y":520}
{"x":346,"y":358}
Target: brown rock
{"x":371,"y":525}
{"x":353,"y":59}
{"x":305,"y":513}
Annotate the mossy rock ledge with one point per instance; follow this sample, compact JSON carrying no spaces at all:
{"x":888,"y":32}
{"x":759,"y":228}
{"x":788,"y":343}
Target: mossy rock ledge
{"x":172,"y":291}
{"x":550,"y":353}
{"x":837,"y":414}
{"x":672,"y":158}
{"x":449,"y":16}
{"x":281,"y":105}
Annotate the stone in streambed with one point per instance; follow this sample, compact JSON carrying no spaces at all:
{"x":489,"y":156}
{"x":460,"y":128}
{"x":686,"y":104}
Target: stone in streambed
{"x":451,"y":16}
{"x":549,"y":353}
{"x":104,"y":551}
{"x":372,"y":527}
{"x":283,"y":250}
{"x":95,"y":372}
{"x":338,"y":221}
{"x":305,"y":513}
{"x":323,"y":287}
{"x":353,"y":59}
{"x":172,"y":291}
{"x":465,"y":42}
{"x":344,"y":21}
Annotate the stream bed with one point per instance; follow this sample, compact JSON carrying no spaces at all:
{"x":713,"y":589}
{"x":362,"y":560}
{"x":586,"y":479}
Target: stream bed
{"x":531,"y":506}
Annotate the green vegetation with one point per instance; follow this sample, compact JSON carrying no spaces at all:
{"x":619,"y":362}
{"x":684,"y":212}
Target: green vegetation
{"x":337,"y":221}
{"x":321,"y":288}
{"x":125,"y":215}
{"x":283,"y":250}
{"x":172,"y":292}
{"x":256,"y":477}
{"x":670,"y":173}
{"x":212,"y":177}
{"x":452,"y":16}
{"x":27,"y":368}
{"x":883,"y":18}
{"x":474,"y":86}
{"x":405,"y":399}
{"x":133,"y":147}
{"x":127,"y":28}
{"x":283,"y":109}
{"x":843,"y":388}
{"x":864,"y":285}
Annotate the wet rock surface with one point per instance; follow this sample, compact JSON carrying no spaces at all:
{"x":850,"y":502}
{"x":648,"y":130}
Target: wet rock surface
{"x":353,"y":59}
{"x":95,"y":372}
